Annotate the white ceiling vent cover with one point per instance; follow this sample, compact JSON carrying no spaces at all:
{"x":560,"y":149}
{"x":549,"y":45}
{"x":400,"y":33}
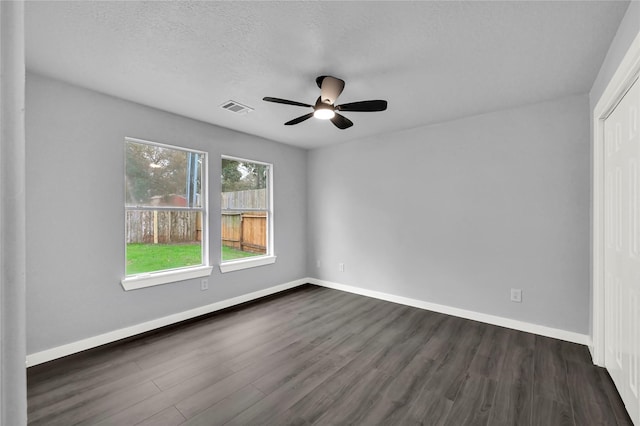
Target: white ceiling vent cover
{"x":236,"y":107}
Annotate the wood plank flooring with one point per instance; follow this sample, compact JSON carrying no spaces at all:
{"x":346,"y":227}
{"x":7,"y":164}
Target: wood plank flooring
{"x":313,"y":355}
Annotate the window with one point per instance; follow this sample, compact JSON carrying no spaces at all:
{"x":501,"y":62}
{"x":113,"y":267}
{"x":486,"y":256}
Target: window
{"x":246,"y":214}
{"x":165,"y":214}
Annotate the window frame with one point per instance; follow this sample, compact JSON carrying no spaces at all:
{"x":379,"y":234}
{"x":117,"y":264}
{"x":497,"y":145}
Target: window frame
{"x":166,"y":276}
{"x":254,"y":261}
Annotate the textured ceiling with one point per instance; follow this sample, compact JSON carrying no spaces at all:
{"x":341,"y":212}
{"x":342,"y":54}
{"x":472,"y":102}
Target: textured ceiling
{"x":433,"y":61}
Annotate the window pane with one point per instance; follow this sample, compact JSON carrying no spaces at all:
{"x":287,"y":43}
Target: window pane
{"x":160,"y":240}
{"x":161,"y":176}
{"x":245,"y":203}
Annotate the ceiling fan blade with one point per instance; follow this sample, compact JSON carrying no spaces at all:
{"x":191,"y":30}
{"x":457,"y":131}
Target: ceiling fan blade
{"x":299,"y":119}
{"x":285,"y":101}
{"x":341,"y":122}
{"x":330,"y":88}
{"x":364,"y":106}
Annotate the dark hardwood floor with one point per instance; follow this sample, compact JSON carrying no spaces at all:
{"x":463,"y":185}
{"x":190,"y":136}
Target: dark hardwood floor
{"x":318,"y":356}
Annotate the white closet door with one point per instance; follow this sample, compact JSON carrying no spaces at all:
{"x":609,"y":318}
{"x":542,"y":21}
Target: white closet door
{"x":622,"y":248}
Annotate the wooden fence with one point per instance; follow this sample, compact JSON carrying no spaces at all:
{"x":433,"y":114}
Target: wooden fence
{"x":248,"y":199}
{"x":163,"y":227}
{"x":246,"y":231}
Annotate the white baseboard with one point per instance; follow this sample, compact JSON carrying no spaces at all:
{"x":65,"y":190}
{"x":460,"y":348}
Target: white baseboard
{"x":541,"y":330}
{"x":112,"y":336}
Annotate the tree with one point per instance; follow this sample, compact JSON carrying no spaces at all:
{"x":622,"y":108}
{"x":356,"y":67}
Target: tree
{"x":240,"y":175}
{"x":230,"y":175}
{"x":153,"y":171}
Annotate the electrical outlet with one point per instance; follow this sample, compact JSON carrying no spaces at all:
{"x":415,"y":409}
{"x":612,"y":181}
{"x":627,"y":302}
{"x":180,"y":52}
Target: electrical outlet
{"x":204,"y":285}
{"x":317,"y":263}
{"x":341,"y":267}
{"x":516,"y":295}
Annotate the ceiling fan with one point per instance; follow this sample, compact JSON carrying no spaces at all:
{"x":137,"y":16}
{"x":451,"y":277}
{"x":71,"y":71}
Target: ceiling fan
{"x":325,"y":108}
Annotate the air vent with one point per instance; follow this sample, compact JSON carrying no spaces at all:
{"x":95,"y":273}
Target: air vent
{"x":236,"y":107}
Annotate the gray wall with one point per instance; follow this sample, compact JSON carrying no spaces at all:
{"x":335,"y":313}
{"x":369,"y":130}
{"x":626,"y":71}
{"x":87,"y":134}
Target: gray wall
{"x":459,"y":213}
{"x":13,"y":378}
{"x":75,"y":215}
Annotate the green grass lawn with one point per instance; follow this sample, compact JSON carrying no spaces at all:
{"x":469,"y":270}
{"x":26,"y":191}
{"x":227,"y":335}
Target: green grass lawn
{"x":230,"y":254}
{"x":156,"y":257}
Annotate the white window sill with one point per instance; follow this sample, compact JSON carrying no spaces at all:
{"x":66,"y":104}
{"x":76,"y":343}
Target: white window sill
{"x":165,"y":277}
{"x":236,"y":265}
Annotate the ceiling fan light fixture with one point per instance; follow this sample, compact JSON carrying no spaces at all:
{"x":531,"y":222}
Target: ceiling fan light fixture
{"x":324,"y":113}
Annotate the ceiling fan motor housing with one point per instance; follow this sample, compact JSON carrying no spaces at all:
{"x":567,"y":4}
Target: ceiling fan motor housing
{"x":330,"y":88}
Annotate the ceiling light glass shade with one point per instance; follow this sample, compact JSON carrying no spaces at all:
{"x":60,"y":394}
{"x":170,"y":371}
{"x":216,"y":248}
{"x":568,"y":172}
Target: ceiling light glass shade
{"x":324,"y":113}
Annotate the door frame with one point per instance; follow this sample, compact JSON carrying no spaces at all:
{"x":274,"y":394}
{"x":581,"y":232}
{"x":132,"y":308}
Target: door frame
{"x":627,"y":72}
